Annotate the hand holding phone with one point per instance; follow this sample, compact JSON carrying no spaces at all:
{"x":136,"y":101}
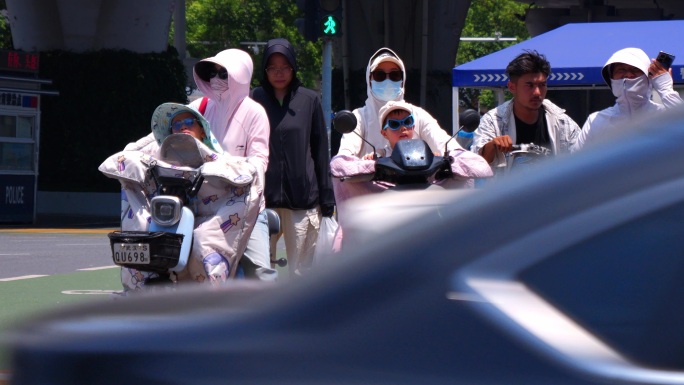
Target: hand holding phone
{"x":665,"y":59}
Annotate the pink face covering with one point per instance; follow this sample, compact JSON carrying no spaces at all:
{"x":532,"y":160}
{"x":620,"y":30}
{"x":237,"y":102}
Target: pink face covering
{"x":219,"y":85}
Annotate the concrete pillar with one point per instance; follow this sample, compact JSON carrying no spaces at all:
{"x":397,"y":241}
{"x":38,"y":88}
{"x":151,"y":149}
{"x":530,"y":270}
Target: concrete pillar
{"x":179,"y":28}
{"x":81,"y":25}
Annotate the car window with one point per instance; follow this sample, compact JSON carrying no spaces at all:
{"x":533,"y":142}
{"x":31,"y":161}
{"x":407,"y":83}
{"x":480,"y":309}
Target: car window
{"x":625,"y":285}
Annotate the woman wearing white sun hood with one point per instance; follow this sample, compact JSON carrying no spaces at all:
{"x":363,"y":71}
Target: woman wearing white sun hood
{"x":241,"y":127}
{"x":386,"y":81}
{"x":631,"y":76}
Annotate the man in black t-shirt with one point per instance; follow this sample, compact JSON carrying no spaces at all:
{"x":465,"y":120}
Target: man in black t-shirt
{"x":527,"y":118}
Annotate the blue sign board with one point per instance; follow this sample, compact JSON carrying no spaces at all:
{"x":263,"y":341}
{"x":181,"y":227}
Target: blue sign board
{"x":17,"y":198}
{"x":577,"y":53}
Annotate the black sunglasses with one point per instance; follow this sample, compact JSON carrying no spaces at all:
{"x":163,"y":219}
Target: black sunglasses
{"x":380,"y":76}
{"x":222,"y":73}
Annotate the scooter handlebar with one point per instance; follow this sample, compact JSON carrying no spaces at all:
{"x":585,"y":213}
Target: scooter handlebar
{"x":531,"y":147}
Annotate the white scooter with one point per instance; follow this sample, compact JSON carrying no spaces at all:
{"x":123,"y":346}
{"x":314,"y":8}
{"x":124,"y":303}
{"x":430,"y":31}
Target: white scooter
{"x":165,"y":248}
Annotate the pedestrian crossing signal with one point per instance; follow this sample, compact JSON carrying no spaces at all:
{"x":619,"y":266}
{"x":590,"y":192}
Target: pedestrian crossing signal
{"x":330,"y":25}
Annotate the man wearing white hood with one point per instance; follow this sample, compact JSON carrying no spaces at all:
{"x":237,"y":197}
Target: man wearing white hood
{"x":632,"y":76}
{"x":242,"y":129}
{"x":385,"y":80}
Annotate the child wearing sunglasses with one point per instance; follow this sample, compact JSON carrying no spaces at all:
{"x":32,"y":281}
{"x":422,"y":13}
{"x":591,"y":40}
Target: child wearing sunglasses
{"x":187,"y":123}
{"x":174,"y":118}
{"x":397,"y":123}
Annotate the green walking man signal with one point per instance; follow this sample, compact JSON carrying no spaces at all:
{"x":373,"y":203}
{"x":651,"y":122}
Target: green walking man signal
{"x":331,"y":27}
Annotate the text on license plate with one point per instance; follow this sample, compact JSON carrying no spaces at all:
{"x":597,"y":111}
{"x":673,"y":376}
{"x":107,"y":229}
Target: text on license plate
{"x":134,"y":253}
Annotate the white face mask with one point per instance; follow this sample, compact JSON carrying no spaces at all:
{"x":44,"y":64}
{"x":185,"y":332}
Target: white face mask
{"x":386,"y":90}
{"x":633,"y":91}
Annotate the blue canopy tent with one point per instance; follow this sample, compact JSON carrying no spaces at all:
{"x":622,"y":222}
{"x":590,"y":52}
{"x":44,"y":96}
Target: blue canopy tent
{"x":577,"y":53}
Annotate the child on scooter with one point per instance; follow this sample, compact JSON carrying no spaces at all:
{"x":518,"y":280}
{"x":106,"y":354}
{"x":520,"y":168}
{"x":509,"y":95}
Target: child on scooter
{"x":396,"y":122}
{"x":224,"y":211}
{"x":166,"y":120}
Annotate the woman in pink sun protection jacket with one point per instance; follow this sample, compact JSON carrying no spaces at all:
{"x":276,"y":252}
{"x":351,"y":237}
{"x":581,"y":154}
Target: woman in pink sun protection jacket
{"x":242,"y":129}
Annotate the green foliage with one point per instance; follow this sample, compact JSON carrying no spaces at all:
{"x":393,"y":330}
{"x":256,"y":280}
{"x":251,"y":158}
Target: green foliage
{"x":216,"y":25}
{"x":5,"y":33}
{"x":106,"y":99}
{"x":486,"y":18}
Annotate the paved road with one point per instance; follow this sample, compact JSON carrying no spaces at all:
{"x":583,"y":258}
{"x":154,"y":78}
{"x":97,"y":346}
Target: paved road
{"x":45,"y":267}
{"x":27,"y":252}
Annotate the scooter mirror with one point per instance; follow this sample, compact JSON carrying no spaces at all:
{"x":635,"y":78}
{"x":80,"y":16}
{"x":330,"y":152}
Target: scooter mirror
{"x":344,"y":121}
{"x":469,"y":120}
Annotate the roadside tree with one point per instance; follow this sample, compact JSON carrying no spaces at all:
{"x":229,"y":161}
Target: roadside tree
{"x":486,"y":18}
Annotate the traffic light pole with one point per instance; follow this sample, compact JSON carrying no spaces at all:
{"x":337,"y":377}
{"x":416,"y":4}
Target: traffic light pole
{"x":326,"y":85}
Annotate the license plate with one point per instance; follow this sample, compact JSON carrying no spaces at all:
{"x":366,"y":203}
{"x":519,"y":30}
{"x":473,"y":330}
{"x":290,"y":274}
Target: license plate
{"x":131,"y":253}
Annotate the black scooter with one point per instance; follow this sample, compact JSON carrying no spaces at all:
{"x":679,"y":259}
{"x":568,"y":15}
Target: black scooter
{"x":411,"y":162}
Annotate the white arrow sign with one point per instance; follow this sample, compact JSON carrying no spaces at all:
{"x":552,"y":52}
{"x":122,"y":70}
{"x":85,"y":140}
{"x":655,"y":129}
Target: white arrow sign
{"x":558,"y":76}
{"x":566,"y":76}
{"x":490,"y":77}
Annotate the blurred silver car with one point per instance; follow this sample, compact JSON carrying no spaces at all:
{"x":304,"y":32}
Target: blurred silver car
{"x":571,"y":272}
